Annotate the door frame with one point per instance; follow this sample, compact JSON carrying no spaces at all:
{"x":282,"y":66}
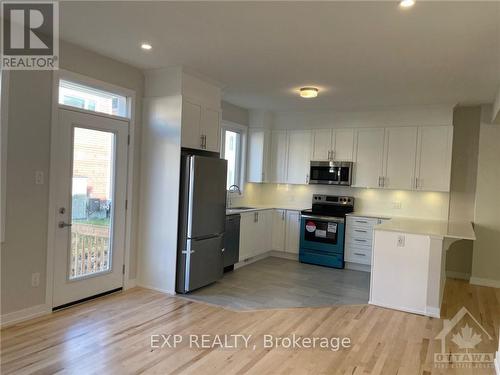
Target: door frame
{"x":51,"y":233}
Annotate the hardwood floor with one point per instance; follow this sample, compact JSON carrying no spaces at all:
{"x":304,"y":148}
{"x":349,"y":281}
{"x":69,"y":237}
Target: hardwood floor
{"x":280,"y":283}
{"x":112,"y":335}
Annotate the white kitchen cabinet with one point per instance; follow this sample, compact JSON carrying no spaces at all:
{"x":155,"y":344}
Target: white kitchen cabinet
{"x":343,"y":144}
{"x":258,"y":140}
{"x":278,"y":156}
{"x":433,"y":166}
{"x":400,"y":157}
{"x":190,"y":128}
{"x":200,"y":127}
{"x":299,"y":156}
{"x":279,"y":230}
{"x":359,"y":239}
{"x":210,"y":128}
{"x":255,"y":233}
{"x":322,"y":144}
{"x":292,"y":239}
{"x":368,"y":168}
{"x":333,"y":144}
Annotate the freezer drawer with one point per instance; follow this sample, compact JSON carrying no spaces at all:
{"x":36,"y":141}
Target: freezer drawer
{"x":202,"y":264}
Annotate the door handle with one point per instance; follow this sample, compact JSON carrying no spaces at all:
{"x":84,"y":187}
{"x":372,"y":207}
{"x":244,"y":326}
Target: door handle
{"x":62,"y":224}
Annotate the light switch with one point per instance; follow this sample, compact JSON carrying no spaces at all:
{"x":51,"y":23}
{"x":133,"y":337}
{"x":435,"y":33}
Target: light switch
{"x":39,"y":177}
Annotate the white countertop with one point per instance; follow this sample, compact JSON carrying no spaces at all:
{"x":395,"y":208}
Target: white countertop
{"x":251,"y":208}
{"x":439,"y":228}
{"x":368,"y":214}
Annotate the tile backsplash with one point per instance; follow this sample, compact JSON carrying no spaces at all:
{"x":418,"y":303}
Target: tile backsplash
{"x":392,"y":203}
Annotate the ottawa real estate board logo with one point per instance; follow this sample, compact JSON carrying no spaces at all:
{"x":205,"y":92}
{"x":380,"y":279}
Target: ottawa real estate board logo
{"x":30,"y":35}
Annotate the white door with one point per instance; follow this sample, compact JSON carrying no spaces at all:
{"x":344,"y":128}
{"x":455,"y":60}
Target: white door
{"x":90,"y":209}
{"x":299,"y":156}
{"x":322,"y":144}
{"x":210,"y":129}
{"x":278,"y":230}
{"x":434,"y":164}
{"x":343,"y":144}
{"x":256,"y":155}
{"x":401,"y":151}
{"x":369,"y":158}
{"x":292,"y":232}
{"x":190,"y":129}
{"x":278,"y":157}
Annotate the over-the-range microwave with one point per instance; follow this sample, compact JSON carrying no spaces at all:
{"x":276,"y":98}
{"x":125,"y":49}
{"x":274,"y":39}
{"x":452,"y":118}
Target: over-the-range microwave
{"x":331,"y":173}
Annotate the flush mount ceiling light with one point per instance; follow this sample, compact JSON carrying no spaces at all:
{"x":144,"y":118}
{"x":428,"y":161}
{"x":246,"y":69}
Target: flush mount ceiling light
{"x":309,"y":92}
{"x":146,"y":46}
{"x":406,"y":3}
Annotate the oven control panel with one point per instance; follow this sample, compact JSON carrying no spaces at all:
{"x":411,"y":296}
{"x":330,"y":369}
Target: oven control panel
{"x":333,"y":200}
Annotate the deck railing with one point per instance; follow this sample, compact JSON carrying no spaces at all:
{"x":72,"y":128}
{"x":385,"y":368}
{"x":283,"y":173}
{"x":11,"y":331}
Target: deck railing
{"x":89,"y":249}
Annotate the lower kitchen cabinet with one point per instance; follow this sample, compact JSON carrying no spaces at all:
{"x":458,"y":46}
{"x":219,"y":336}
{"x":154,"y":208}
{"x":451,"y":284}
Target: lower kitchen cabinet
{"x":279,"y":230}
{"x":292,"y":238}
{"x":255,"y":233}
{"x":359,"y":239}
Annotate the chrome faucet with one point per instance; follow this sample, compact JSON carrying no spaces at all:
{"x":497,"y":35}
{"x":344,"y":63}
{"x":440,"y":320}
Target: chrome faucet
{"x":232,"y":189}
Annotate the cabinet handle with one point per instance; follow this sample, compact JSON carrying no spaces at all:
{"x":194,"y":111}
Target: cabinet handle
{"x":361,"y":221}
{"x":329,"y":154}
{"x":307,"y":178}
{"x":201,"y":141}
{"x":360,"y":231}
{"x":360,"y":254}
{"x":283,"y":215}
{"x":333,"y":155}
{"x":416,"y":182}
{"x":357,"y":239}
{"x":384,"y":179}
{"x":205,"y":141}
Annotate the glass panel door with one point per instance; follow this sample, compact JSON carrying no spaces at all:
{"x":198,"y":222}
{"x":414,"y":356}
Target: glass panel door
{"x":91,"y":202}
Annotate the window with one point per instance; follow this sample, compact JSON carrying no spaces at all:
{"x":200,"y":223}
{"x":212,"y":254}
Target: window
{"x":232,"y":145}
{"x":84,"y":97}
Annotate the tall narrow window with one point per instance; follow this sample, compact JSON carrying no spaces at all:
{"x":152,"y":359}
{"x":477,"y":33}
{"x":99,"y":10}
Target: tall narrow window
{"x":84,"y":97}
{"x":232,"y":151}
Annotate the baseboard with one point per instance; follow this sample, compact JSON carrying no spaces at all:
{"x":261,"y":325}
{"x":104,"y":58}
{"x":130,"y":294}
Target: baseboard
{"x":358,"y":267}
{"x":485,"y":282}
{"x":128,"y":284}
{"x":408,"y":310}
{"x":433,"y":312}
{"x":497,"y":363}
{"x":24,"y":314}
{"x":164,"y":291}
{"x":267,"y":254}
{"x":458,"y":275}
{"x":284,"y":255}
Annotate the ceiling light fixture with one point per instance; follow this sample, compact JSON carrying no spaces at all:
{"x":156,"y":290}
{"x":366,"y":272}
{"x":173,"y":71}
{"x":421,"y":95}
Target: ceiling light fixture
{"x":309,"y":92}
{"x":146,"y":46}
{"x":406,"y":3}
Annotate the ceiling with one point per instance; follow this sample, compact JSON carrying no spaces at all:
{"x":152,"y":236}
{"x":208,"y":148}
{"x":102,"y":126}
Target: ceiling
{"x":360,"y":54}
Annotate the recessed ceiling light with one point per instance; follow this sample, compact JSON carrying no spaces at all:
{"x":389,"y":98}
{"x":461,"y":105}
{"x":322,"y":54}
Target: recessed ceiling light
{"x":406,"y":3}
{"x":146,"y":46}
{"x":309,"y":92}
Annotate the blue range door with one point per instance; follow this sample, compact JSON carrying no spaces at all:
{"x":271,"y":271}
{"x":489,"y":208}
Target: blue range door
{"x":322,"y":241}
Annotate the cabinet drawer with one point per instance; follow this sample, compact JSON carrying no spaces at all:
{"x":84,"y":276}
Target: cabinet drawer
{"x":364,"y":222}
{"x":363,"y":242}
{"x":359,"y":257}
{"x":359,"y":232}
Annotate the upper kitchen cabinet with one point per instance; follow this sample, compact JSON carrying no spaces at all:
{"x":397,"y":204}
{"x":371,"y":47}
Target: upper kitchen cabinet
{"x":368,"y":167}
{"x":278,"y":157}
{"x":200,"y":126}
{"x":343,"y":142}
{"x":258,"y":141}
{"x":433,"y":166}
{"x":299,"y":156}
{"x":400,"y":157}
{"x":333,"y":144}
{"x":322,"y":145}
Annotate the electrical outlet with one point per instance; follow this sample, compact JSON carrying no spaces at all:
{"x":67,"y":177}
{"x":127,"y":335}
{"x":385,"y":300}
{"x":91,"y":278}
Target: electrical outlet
{"x":396,"y":205}
{"x":35,"y":279}
{"x":401,"y":240}
{"x":39,"y":178}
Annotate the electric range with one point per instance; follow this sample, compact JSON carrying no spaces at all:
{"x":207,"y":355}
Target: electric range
{"x":322,"y":230}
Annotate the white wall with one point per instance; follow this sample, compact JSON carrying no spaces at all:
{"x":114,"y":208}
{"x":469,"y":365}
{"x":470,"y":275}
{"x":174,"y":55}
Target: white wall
{"x":466,"y":121}
{"x":25,"y":249}
{"x":234,"y":113}
{"x":486,"y":254}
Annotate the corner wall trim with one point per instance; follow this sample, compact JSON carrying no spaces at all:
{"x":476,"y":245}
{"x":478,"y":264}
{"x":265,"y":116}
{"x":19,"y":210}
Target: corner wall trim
{"x":485,"y":282}
{"x":24,"y":314}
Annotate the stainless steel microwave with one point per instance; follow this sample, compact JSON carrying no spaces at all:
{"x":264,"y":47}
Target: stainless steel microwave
{"x":331,"y":173}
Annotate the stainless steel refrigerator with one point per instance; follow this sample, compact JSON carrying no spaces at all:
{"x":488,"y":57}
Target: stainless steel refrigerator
{"x":202,"y":214}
